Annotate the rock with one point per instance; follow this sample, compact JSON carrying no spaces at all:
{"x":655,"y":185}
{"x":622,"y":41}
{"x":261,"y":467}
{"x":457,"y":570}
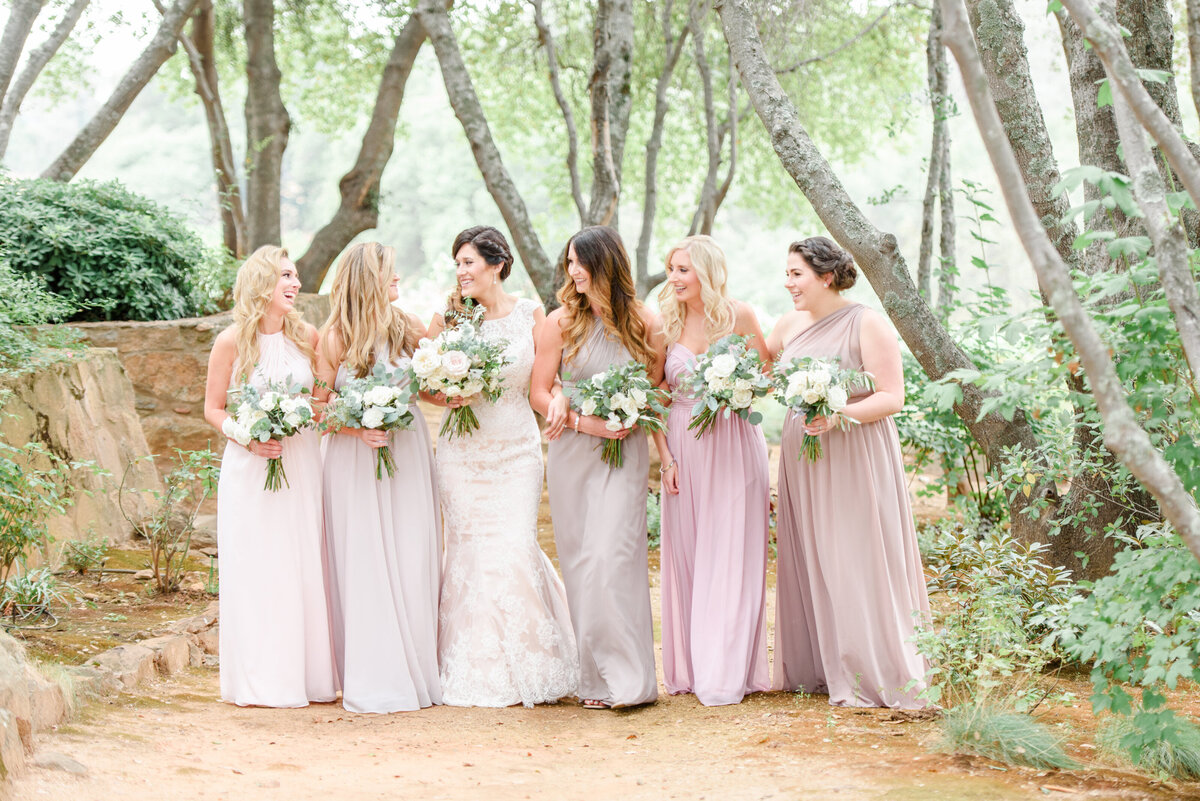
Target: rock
{"x":195,"y":652}
{"x":91,"y":680}
{"x":209,"y":552}
{"x":144,"y":575}
{"x":197,"y":623}
{"x":170,"y":652}
{"x":129,"y":664}
{"x":210,"y":641}
{"x":12,"y":752}
{"x":52,"y":760}
{"x":48,"y":704}
{"x":195,"y":586}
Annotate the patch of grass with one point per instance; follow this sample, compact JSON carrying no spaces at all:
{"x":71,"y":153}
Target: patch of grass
{"x":1003,"y":735}
{"x":1177,"y":760}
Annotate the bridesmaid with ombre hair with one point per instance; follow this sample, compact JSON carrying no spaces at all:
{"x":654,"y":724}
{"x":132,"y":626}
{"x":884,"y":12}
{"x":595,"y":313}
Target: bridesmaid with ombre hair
{"x":275,"y":644}
{"x":850,"y":584}
{"x":383,"y":535}
{"x":716,"y":500}
{"x":600,"y":512}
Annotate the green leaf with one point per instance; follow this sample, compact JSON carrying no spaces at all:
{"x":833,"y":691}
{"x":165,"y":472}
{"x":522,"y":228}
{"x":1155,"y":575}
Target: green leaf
{"x":1104,"y":95}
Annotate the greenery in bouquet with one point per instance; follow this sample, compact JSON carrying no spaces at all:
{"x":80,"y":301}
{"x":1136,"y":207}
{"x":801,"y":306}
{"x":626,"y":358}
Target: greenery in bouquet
{"x":624,"y":397}
{"x":818,"y":388}
{"x":728,"y":377}
{"x":381,"y":401}
{"x":276,"y":413}
{"x":461,"y":363}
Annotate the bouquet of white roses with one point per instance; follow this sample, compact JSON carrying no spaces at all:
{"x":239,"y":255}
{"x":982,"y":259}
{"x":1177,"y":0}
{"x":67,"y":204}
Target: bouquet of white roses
{"x":728,"y":377}
{"x":274,"y":414}
{"x":375,"y":401}
{"x":817,"y":388}
{"x":460,"y":362}
{"x":624,"y":396}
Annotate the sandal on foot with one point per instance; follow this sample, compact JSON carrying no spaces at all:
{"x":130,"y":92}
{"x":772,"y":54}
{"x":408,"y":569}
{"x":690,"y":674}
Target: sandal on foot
{"x":594,"y":703}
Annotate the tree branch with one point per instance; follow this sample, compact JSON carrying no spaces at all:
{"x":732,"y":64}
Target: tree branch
{"x":267,"y":126}
{"x":870,"y":26}
{"x":16,"y":32}
{"x":703,"y":218}
{"x":610,"y":92}
{"x":547,"y":40}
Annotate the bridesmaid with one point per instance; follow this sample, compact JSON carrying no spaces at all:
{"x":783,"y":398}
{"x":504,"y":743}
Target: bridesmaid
{"x":275,"y":642}
{"x":717,"y":499}
{"x":850,"y":582}
{"x":383,"y":535}
{"x":600,"y":512}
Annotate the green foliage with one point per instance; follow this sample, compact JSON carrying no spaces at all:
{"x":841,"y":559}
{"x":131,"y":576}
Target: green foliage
{"x":654,"y":519}
{"x":1005,"y":736}
{"x":84,"y":555}
{"x":34,"y":486}
{"x":1176,"y":758}
{"x":34,"y":590}
{"x":114,"y":254}
{"x":24,"y":302}
{"x":168,"y":529}
{"x":1140,"y":629}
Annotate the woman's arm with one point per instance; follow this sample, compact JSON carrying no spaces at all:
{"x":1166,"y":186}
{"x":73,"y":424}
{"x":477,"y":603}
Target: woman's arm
{"x":658,"y":342}
{"x":670,"y":468}
{"x":745,"y":323}
{"x":546,"y":361}
{"x":881,"y":358}
{"x":329,"y":356}
{"x":216,"y":390}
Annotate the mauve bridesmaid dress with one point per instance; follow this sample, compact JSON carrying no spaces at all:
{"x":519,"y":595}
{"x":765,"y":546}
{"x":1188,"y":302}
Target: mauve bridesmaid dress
{"x":714,"y":553}
{"x":850,"y":582}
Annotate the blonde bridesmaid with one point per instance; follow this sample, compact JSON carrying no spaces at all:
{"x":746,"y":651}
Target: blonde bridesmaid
{"x":384,"y":535}
{"x":716,"y":499}
{"x":850,"y":583}
{"x":600,"y":512}
{"x":275,"y":639}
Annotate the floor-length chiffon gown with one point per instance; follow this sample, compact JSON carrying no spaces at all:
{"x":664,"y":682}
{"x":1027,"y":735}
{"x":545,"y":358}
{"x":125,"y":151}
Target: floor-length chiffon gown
{"x":714,"y":553}
{"x":384,"y":551}
{"x":504,"y":630}
{"x":275,"y":638}
{"x":849,"y":577}
{"x":599,"y":517}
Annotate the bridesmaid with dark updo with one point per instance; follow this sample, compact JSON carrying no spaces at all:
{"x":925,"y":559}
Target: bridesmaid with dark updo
{"x":850,"y":583}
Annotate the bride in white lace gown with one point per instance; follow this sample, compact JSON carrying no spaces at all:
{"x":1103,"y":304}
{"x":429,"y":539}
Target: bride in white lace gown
{"x":504,"y":632}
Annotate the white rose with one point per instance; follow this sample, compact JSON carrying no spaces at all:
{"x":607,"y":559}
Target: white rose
{"x":820,"y":379}
{"x":378,"y":396}
{"x":618,"y":400}
{"x":372,"y":418}
{"x":455,"y":363}
{"x":425,"y":362}
{"x":630,"y":408}
{"x":811,"y":395}
{"x":452,"y":391}
{"x":244,"y":410}
{"x":742,"y":383}
{"x":473,"y":387}
{"x":587,"y":407}
{"x":598,"y":380}
{"x":710,"y":376}
{"x":292,"y":419}
{"x":238,"y":433}
{"x":724,"y":365}
{"x":614,"y":423}
{"x":837,"y":398}
{"x":742,"y":398}
{"x":631,"y":421}
{"x":452,"y":336}
{"x":267,"y":402}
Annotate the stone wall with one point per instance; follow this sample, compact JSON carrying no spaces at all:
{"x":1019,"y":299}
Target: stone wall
{"x":82,"y":409}
{"x":167,"y":362}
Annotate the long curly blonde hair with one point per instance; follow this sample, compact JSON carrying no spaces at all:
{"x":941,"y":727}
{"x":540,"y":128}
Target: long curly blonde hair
{"x":361,"y":315}
{"x":602,"y":253}
{"x":708,"y":262}
{"x":252,"y":292}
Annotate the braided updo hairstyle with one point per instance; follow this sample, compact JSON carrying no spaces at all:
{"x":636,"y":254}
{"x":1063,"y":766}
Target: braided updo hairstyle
{"x":824,"y":256}
{"x":492,"y":245}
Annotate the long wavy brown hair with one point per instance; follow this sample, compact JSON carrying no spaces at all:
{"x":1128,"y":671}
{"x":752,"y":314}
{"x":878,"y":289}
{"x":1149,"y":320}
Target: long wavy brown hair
{"x":601,"y":252}
{"x":361,"y":316}
{"x":252,"y":292}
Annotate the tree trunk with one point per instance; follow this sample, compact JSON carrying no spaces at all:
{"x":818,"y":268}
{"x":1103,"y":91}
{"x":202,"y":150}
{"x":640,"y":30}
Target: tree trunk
{"x":1193,"y":29}
{"x":465,"y":102}
{"x":547,"y":41}
{"x":948,"y":269}
{"x":39,"y":57}
{"x":1122,"y":434}
{"x":105,"y":120}
{"x":935,"y":60}
{"x":202,"y":61}
{"x":21,"y":17}
{"x":702,"y":220}
{"x":611,"y":98}
{"x":359,"y":209}
{"x":267,"y":126}
{"x":875,"y":251}
{"x":645,"y":280}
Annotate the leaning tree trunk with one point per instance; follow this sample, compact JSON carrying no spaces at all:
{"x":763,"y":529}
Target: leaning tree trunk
{"x":465,"y":102}
{"x":713,"y":190}
{"x":546,"y":39}
{"x":1122,"y":435}
{"x":948,"y":269}
{"x":875,"y":252}
{"x":935,"y":59}
{"x":161,"y":47}
{"x":21,"y":17}
{"x":1193,"y":29}
{"x":39,"y":57}
{"x":359,"y":209}
{"x":610,"y":90}
{"x":267,"y":127}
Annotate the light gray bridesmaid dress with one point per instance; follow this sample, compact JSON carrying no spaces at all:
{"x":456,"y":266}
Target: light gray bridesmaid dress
{"x":600,"y":530}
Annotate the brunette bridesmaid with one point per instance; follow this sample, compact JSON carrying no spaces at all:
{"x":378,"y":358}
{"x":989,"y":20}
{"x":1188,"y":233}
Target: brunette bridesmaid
{"x":850,"y":583}
{"x":383,"y":534}
{"x":600,"y":512}
{"x":716,"y":501}
{"x":275,"y":640}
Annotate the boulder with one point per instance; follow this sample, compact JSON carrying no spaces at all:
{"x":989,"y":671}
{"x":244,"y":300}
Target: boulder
{"x":12,"y":752}
{"x":129,"y":664}
{"x":52,"y":760}
{"x":171,"y":653}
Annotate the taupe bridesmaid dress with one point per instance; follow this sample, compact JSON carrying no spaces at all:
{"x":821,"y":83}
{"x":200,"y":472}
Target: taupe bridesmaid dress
{"x":600,"y":530}
{"x":849,"y":576}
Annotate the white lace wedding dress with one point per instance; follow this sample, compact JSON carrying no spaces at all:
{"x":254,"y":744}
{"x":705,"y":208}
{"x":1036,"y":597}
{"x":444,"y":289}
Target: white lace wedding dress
{"x":504,"y":632}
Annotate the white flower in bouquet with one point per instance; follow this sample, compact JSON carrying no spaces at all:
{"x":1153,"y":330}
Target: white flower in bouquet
{"x":837,"y":398}
{"x":456,"y":363}
{"x":726,"y":379}
{"x":623,"y":397}
{"x":724,"y":365}
{"x":817,"y":388}
{"x":275,"y":413}
{"x":380,"y":401}
{"x":588,"y":407}
{"x":426,"y":361}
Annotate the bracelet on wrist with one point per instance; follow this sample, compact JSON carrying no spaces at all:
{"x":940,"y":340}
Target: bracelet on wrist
{"x":577,"y":422}
{"x":662,"y":471}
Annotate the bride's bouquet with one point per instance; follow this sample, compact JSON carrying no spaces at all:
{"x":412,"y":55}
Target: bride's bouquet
{"x":624,"y":396}
{"x":276,"y":413}
{"x":460,"y":362}
{"x":727,"y":378}
{"x":817,"y":388}
{"x":374,"y":401}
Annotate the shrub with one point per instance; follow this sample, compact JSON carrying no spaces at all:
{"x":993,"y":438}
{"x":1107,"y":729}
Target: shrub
{"x":29,"y":495}
{"x":1178,"y":758}
{"x":1004,"y":736}
{"x":84,"y":555}
{"x":653,"y":519}
{"x":114,"y":254}
{"x":24,"y":302}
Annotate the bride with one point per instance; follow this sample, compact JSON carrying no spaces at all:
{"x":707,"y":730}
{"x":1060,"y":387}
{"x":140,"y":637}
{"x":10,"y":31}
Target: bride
{"x":504,"y":633}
